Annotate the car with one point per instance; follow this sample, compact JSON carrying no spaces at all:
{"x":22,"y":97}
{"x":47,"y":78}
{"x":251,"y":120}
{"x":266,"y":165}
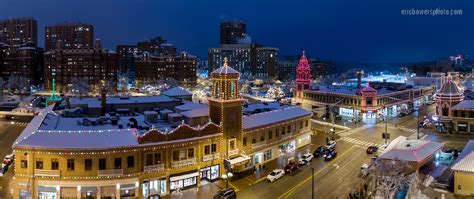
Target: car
{"x":319,"y":151}
{"x":305,"y":158}
{"x":331,"y":144}
{"x":225,"y":194}
{"x":331,"y":155}
{"x":291,"y":166}
{"x":401,"y":114}
{"x":372,"y":149}
{"x":275,"y":175}
{"x":430,"y":102}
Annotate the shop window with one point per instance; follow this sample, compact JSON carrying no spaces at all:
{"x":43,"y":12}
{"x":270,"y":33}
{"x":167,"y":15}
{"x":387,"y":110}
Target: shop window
{"x":191,"y":153}
{"x":270,"y":135}
{"x":102,"y":164}
{"x":88,"y":164}
{"x":267,"y":155}
{"x":24,"y":163}
{"x":213,"y":148}
{"x":54,"y":164}
{"x":130,"y":161}
{"x":149,"y":159}
{"x":244,"y":141}
{"x":70,"y":164}
{"x":207,"y":149}
{"x":157,"y":158}
{"x":39,"y":163}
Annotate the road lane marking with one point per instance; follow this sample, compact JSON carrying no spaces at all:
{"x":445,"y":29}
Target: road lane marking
{"x":235,"y":188}
{"x":289,"y":192}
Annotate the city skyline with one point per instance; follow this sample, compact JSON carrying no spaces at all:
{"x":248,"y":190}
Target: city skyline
{"x":325,"y":30}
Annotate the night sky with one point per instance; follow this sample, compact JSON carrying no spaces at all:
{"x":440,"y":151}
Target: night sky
{"x":338,"y":30}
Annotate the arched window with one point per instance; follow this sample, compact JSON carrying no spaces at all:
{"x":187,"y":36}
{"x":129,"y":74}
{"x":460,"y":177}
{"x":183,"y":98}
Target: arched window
{"x":216,"y":85}
{"x":445,"y":111}
{"x":232,"y":89}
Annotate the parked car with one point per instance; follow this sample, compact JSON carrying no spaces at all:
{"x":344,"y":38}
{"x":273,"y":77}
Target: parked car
{"x":401,"y":114}
{"x":319,"y":151}
{"x":331,"y":155}
{"x":372,"y":149}
{"x":275,"y":175}
{"x":291,"y":166}
{"x":331,"y":144}
{"x":225,"y":194}
{"x":305,"y":159}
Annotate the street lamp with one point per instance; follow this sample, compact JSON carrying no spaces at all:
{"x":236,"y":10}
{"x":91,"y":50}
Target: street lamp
{"x":226,"y":177}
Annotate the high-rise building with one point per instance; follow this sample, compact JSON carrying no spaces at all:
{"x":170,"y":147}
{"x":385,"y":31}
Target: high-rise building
{"x":180,"y":67}
{"x":232,"y":32}
{"x":25,"y":62}
{"x":252,"y":60}
{"x":91,"y":65}
{"x":156,"y":46}
{"x":126,"y":60}
{"x":72,"y":35}
{"x":17,"y":31}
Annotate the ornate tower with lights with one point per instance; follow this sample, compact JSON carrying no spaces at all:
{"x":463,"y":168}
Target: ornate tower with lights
{"x":303,"y":76}
{"x":225,"y":105}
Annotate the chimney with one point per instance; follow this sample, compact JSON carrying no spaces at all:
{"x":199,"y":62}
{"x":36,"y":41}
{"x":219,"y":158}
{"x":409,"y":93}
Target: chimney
{"x":359,"y":78}
{"x":103,"y":101}
{"x":97,"y":44}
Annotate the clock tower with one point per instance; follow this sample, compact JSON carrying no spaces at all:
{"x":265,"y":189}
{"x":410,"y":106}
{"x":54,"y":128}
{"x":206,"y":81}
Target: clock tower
{"x":225,"y":106}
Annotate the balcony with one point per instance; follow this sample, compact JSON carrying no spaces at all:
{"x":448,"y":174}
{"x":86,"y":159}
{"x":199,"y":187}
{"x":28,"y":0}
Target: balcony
{"x":110,"y":172}
{"x":210,"y":157}
{"x":183,"y":163}
{"x":154,"y":168}
{"x":47,"y":173}
{"x":258,"y":144}
{"x":233,"y":152}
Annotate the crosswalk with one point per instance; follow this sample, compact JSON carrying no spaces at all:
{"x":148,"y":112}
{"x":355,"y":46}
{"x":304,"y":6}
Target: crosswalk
{"x":14,"y":122}
{"x":402,"y":128}
{"x":360,"y":143}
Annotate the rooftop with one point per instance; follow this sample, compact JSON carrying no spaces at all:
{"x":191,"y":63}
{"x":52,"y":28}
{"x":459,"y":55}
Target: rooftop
{"x":225,"y":69}
{"x":349,"y":90}
{"x":465,"y":104}
{"x":176,"y":92}
{"x":95,"y":101}
{"x":273,"y":117}
{"x":410,"y":150}
{"x":465,"y":161}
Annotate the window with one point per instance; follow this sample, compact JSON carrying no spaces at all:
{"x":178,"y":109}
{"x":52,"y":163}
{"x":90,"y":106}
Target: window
{"x":262,"y":138}
{"x":254,"y":141}
{"x":149,"y":159}
{"x":176,"y":155}
{"x":88,"y":164}
{"x":277,"y":133}
{"x":306,"y":123}
{"x":54,"y":164}
{"x":267,"y":155}
{"x":270,"y":135}
{"x":118,"y":163}
{"x":232,"y":144}
{"x":213,"y":148}
{"x":244,"y":141}
{"x":102,"y":165}
{"x":39,"y":163}
{"x":207,"y":150}
{"x":191,"y":153}
{"x":459,"y":187}
{"x":70,"y":164}
{"x":24,"y":162}
{"x":283,"y":130}
{"x":288,"y":129}
{"x":157,"y":158}
{"x":130,"y":161}
{"x":301,"y":124}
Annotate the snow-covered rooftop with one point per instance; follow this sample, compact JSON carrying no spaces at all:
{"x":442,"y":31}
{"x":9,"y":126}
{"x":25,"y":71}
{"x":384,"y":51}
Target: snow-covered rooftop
{"x":411,"y":150}
{"x":272,"y":117}
{"x":200,"y":112}
{"x":96,"y":103}
{"x":190,"y":106}
{"x":465,"y":161}
{"x":465,"y":104}
{"x":176,"y":92}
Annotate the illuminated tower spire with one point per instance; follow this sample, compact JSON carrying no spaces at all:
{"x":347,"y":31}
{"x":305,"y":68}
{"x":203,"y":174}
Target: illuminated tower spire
{"x":303,"y":76}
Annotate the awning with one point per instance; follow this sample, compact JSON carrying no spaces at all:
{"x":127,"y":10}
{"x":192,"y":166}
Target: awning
{"x":47,"y":189}
{"x":88,"y":189}
{"x":182,"y":177}
{"x":239,"y":159}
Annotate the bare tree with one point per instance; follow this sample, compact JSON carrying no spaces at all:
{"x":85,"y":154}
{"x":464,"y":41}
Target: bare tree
{"x":80,"y":86}
{"x":387,"y":177}
{"x":20,"y":83}
{"x":275,"y":92}
{"x":124,"y":84}
{"x":110,"y":86}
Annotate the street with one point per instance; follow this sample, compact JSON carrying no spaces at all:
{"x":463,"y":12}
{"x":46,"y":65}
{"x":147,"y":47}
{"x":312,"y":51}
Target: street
{"x":8,"y":134}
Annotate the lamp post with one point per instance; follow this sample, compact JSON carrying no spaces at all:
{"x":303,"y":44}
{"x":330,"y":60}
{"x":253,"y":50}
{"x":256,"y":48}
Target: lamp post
{"x":226,"y":177}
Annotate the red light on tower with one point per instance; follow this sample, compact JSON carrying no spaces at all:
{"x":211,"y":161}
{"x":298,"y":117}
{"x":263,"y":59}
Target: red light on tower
{"x":303,"y":76}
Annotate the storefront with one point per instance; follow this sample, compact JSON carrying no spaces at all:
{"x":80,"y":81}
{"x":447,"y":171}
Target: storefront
{"x":154,"y":188}
{"x":462,"y":127}
{"x":183,"y":181}
{"x":89,"y":192}
{"x":69,"y":192}
{"x":25,"y":194}
{"x":303,"y":140}
{"x":107,"y":192}
{"x":128,"y":191}
{"x":47,"y":192}
{"x":210,"y":173}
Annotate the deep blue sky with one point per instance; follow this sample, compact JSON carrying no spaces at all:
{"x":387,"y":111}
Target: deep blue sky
{"x":338,"y":30}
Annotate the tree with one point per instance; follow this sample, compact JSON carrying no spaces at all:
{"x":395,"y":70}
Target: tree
{"x":275,"y":92}
{"x":124,"y":84}
{"x":110,"y":86}
{"x":20,"y":83}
